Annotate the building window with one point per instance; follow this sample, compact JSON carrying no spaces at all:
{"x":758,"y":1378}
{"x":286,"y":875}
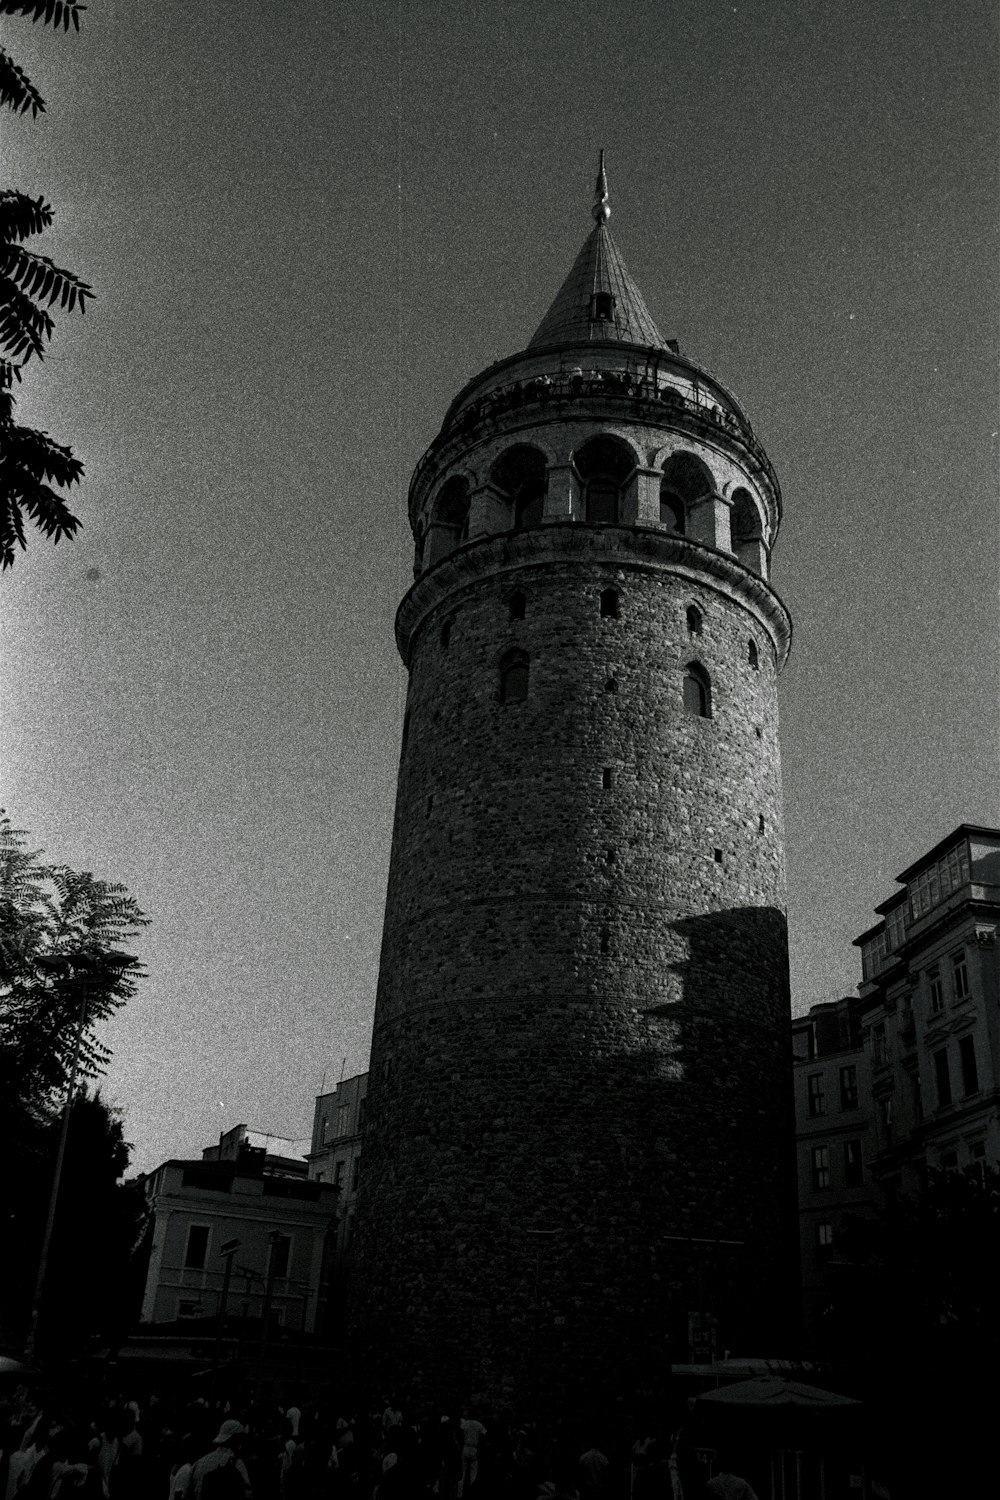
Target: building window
{"x":970,"y":1073}
{"x":446,"y":635}
{"x":937,"y":990}
{"x":885,"y":1118}
{"x":516,"y":606}
{"x":753,"y":655}
{"x":609,"y":604}
{"x":879,"y":1053}
{"x":939,"y":880}
{"x":601,"y":307}
{"x":854,"y":1171}
{"x":824,"y":1239}
{"x":343,"y":1120}
{"x":355,"y":1174}
{"x":949,"y":1161}
{"x":514,"y":677}
{"x":916,"y":1097}
{"x":942,"y":1077}
{"x":697,"y":691}
{"x":849,"y":1087}
{"x":281,"y":1250}
{"x":820,"y":1167}
{"x":895,"y":928}
{"x":338,"y":1174}
{"x":695,"y":620}
{"x":817,"y":1102}
{"x":190,"y":1307}
{"x":960,"y":975}
{"x":977,"y":1165}
{"x":196,"y":1252}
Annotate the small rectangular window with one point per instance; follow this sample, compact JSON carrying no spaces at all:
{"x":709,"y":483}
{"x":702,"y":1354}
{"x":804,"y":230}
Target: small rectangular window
{"x":343,"y":1120}
{"x":916,"y":1097}
{"x":197,"y":1247}
{"x":355,"y":1174}
{"x":601,"y":307}
{"x":338,"y":1174}
{"x":606,"y":777}
{"x":942,"y":1077}
{"x":849,"y":1087}
{"x":820,"y":1167}
{"x":853,"y":1165}
{"x":885,"y":1118}
{"x":817,"y":1102}
{"x":970,"y":1073}
{"x":960,"y":975}
{"x":936,"y":990}
{"x":824,"y":1238}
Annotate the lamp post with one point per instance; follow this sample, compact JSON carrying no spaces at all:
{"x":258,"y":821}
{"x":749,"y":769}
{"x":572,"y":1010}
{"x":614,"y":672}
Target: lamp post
{"x":227,"y":1250}
{"x":43,"y":1257}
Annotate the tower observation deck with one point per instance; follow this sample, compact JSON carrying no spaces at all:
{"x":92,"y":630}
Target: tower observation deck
{"x":579,"y":1158}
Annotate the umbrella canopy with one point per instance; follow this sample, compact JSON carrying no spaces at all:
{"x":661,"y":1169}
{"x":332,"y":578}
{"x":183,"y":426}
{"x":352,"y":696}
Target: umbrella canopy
{"x":767,"y":1393}
{"x":15,"y":1369}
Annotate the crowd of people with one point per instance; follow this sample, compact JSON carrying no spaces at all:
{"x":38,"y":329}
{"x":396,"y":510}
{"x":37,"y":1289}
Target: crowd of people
{"x":160,"y":1447}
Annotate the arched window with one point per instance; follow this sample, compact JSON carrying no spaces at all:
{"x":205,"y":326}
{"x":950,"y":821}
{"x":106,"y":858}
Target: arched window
{"x":603,"y":464}
{"x":748,"y":534}
{"x":514,"y":677}
{"x":451,"y":509}
{"x":753,"y":655}
{"x":697,"y":691}
{"x":671,"y":510}
{"x":515,"y":606}
{"x":695,"y":620}
{"x":609,"y":604}
{"x":520,"y":474}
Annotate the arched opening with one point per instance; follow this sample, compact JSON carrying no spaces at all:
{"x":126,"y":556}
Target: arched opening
{"x":753,"y":655}
{"x":695,"y":620}
{"x":671,"y":509}
{"x":685,"y":480}
{"x":516,"y":606}
{"x":609,"y":604}
{"x":603,"y":464}
{"x":514,"y":677}
{"x":748,"y":532}
{"x":451,"y":510}
{"x":520,"y":474}
{"x":697,"y":691}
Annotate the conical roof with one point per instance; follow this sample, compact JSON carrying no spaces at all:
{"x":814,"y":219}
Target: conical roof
{"x":598,"y":302}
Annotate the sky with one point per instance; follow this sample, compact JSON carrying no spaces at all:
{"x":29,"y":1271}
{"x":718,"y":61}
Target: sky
{"x":308,"y":223}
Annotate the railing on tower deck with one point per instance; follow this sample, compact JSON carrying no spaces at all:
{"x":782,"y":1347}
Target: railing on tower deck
{"x":645,"y":397}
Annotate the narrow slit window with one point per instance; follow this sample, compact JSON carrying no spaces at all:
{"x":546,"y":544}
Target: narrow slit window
{"x":753,"y":655}
{"x":611,"y":686}
{"x":695,"y":620}
{"x":446,"y":634}
{"x":516,"y":606}
{"x":514,"y":678}
{"x":606,"y":777}
{"x":609,"y":604}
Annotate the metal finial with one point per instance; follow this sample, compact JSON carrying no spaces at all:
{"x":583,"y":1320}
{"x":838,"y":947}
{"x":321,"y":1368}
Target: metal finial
{"x":601,"y":209}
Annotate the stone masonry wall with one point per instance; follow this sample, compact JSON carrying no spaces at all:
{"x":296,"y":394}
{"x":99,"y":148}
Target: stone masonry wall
{"x":579,"y":1065}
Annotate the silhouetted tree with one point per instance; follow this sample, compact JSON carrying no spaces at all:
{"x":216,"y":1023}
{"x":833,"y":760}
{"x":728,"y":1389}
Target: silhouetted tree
{"x":30,"y":461}
{"x":62,"y":972}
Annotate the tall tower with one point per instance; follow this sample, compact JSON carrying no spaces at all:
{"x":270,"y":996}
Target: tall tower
{"x":579,"y":1160}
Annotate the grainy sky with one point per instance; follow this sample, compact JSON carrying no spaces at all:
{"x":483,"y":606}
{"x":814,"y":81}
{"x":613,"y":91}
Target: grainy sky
{"x":309,"y":222}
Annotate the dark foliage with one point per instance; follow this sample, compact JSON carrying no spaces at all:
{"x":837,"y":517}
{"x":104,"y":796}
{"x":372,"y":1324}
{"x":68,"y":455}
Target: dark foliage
{"x":90,"y":1291}
{"x":30,"y":283}
{"x":60,"y":963}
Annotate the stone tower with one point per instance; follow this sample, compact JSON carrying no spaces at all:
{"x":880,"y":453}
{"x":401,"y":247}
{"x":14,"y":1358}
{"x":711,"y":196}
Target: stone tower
{"x":579,"y":1159}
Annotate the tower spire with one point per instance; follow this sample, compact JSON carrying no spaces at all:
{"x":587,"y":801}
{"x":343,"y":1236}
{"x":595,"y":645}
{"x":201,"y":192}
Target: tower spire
{"x":601,"y":210}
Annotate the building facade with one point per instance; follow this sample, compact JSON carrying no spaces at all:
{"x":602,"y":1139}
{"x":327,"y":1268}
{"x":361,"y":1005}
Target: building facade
{"x":579,"y":1156}
{"x":835,"y":1138}
{"x":335,"y":1151}
{"x":284,"y":1226}
{"x":929,"y":1004}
